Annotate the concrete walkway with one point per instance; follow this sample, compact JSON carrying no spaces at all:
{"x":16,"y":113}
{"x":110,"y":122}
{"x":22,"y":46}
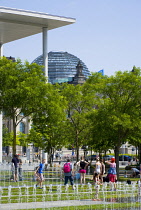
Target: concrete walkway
{"x":49,"y":204}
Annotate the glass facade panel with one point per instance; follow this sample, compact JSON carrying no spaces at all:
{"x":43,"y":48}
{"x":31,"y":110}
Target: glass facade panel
{"x":22,"y":127}
{"x":62,"y":66}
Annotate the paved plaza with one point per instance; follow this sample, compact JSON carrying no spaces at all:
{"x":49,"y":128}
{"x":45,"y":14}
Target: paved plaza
{"x":49,"y":204}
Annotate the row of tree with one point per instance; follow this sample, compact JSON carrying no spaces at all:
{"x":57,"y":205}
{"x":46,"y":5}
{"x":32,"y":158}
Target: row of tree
{"x":103,"y":113}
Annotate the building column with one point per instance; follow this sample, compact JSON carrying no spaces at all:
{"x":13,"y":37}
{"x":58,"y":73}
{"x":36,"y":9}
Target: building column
{"x":45,"y":63}
{"x":45,"y":52}
{"x":1,"y":54}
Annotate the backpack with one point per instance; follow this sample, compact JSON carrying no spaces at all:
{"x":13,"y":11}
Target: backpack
{"x":67,"y":168}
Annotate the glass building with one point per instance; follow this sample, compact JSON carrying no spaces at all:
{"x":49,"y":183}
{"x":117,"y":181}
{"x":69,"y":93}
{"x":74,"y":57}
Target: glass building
{"x":62,"y":66}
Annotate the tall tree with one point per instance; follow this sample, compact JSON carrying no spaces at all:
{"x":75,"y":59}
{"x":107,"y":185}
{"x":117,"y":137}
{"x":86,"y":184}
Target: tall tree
{"x":22,"y":88}
{"x":120,"y":100}
{"x":49,"y":120}
{"x":79,"y":103}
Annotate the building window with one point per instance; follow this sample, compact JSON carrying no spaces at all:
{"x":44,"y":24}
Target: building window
{"x":22,"y":127}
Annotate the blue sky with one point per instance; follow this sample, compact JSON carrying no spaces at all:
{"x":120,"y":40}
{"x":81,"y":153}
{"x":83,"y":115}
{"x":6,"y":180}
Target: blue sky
{"x":106,"y":35}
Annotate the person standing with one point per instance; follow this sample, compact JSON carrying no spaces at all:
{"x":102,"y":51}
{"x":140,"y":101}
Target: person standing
{"x":83,"y":164}
{"x":39,"y":174}
{"x":135,"y":172}
{"x":102,"y":170}
{"x":97,"y":171}
{"x":20,"y":168}
{"x":112,"y":172}
{"x":76,"y":174}
{"x":68,"y":173}
{"x":15,"y":162}
{"x":57,"y":156}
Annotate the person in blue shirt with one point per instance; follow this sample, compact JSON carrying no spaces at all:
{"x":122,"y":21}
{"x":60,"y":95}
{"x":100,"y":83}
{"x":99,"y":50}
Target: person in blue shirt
{"x":39,"y":174}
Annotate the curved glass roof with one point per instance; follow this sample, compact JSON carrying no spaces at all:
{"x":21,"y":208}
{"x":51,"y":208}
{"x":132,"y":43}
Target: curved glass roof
{"x":61,"y":66}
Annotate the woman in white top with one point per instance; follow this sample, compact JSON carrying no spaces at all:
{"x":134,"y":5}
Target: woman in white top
{"x":97,"y":171}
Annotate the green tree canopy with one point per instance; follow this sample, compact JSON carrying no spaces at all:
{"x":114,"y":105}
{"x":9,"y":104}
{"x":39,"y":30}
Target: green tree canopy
{"x":120,"y":107}
{"x":22,"y":88}
{"x":48,"y":121}
{"x":79,"y":102}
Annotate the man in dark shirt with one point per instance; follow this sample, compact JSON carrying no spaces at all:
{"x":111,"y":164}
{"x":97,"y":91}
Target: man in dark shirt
{"x":15,"y":162}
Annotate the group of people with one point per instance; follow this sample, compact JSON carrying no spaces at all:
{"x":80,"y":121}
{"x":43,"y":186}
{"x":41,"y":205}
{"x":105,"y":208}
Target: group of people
{"x":68,"y":169}
{"x":111,"y":177}
{"x":98,"y":175}
{"x":70,"y":172}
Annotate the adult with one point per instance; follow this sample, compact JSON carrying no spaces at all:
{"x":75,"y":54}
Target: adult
{"x":102,"y":170}
{"x":135,"y":172}
{"x":97,"y":171}
{"x":68,"y":173}
{"x":76,"y":174}
{"x":83,"y":164}
{"x":20,"y":168}
{"x":57,"y":156}
{"x":39,"y":174}
{"x":15,"y":163}
{"x":112,"y":175}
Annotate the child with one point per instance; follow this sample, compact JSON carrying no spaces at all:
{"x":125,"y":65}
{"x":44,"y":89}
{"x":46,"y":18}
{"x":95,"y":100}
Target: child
{"x":39,"y":174}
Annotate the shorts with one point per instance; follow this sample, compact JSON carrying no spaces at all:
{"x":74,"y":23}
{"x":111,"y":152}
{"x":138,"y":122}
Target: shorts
{"x":112,"y":177}
{"x":83,"y":171}
{"x":97,"y":172}
{"x":40,"y":175}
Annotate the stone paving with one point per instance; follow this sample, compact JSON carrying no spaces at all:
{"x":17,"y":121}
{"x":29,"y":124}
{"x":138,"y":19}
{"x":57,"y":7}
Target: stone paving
{"x":49,"y":204}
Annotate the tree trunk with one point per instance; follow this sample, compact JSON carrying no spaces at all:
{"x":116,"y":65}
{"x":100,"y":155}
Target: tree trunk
{"x":77,"y":154}
{"x":77,"y":147}
{"x":14,"y":136}
{"x":117,"y":160}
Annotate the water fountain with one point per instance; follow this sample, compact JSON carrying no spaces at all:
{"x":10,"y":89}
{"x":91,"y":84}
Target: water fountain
{"x":139,"y":188}
{"x":34,"y":193}
{"x":44,"y":196}
{"x":81,"y":192}
{"x":1,"y":192}
{"x":9,"y":194}
{"x":76,"y":191}
{"x":50,"y":192}
{"x":67,"y":191}
{"x":27,"y":193}
{"x":59,"y":191}
{"x":97,"y":187}
{"x":20,"y":195}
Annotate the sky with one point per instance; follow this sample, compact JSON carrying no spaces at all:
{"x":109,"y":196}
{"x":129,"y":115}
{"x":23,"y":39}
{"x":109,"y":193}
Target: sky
{"x":106,"y":35}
